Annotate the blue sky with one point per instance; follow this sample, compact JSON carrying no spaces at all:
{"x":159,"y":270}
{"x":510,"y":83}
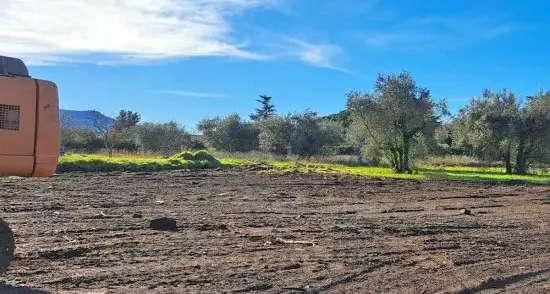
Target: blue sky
{"x":189,"y":59}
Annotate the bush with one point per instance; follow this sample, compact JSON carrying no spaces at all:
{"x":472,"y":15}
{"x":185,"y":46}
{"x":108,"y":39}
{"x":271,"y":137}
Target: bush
{"x":229,"y":134}
{"x":275,"y":135}
{"x":164,"y":139}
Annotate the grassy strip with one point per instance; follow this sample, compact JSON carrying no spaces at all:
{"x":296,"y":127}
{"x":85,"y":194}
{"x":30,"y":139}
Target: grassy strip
{"x":203,"y":160}
{"x":492,"y":174}
{"x":102,"y":163}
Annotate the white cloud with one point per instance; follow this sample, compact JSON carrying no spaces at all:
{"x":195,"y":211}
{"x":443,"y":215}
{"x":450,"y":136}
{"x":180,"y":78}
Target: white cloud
{"x":320,"y":55}
{"x":114,"y":31}
{"x":192,"y":94}
{"x":280,"y":46}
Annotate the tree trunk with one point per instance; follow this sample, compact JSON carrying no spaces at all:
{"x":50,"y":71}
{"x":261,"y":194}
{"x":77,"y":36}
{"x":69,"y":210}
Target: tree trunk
{"x":508,"y":163}
{"x":395,"y":160}
{"x":521,"y":160}
{"x":359,"y":151}
{"x":400,"y":167}
{"x":406,"y":147}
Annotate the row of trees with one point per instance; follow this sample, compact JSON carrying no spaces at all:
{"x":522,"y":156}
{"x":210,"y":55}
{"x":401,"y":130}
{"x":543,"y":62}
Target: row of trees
{"x":500,"y":126}
{"x":303,"y":134}
{"x":127,"y":133}
{"x":395,"y":123}
{"x":496,"y":126}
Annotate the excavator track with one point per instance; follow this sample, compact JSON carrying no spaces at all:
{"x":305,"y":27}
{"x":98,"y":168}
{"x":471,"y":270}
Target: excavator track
{"x":7,"y":246}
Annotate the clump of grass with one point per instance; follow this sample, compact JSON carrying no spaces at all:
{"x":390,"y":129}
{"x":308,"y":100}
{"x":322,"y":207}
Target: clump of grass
{"x":186,"y":155}
{"x":201,"y":155}
{"x":204,"y":155}
{"x":102,"y":163}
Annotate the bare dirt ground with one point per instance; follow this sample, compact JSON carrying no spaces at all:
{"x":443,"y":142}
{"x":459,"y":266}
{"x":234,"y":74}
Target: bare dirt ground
{"x":243,"y":232}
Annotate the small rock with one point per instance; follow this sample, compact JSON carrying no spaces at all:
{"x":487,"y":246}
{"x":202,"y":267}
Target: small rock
{"x":466,"y":211}
{"x":137,"y":215}
{"x":163,"y":224}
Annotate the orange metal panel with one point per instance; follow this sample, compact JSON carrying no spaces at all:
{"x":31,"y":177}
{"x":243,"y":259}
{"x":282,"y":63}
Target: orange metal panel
{"x":48,"y":135}
{"x":18,"y":91}
{"x":16,"y":165}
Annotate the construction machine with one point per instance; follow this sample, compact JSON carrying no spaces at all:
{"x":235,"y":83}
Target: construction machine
{"x":29,"y":133}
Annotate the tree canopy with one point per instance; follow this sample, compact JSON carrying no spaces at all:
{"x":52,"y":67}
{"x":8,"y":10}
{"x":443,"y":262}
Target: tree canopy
{"x":395,"y":115}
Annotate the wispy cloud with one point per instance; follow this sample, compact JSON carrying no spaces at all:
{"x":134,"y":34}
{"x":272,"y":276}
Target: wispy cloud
{"x":319,"y":55}
{"x":111,"y":32}
{"x":115,"y":31}
{"x":438,"y":33}
{"x":276,"y":46}
{"x":192,"y":94}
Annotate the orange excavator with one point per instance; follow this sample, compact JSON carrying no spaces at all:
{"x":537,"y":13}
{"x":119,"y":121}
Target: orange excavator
{"x":29,"y":133}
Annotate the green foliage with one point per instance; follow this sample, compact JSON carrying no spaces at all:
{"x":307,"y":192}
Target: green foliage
{"x":126,"y":119}
{"x":127,"y":145}
{"x":81,"y":140}
{"x":201,"y":155}
{"x":163,"y":138}
{"x":343,"y":118}
{"x":303,"y":134}
{"x":99,"y":163}
{"x":497,"y":126}
{"x":229,"y":134}
{"x":275,"y":135}
{"x":311,"y":137}
{"x":266,"y":111}
{"x":493,"y":175}
{"x":395,"y":116}
{"x":186,"y":155}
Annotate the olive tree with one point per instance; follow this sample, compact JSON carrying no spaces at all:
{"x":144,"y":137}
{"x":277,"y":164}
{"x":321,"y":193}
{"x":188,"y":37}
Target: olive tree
{"x":275,"y":135}
{"x":229,"y":134}
{"x":164,"y":138}
{"x":301,"y":133}
{"x":498,"y":126}
{"x":395,"y":115}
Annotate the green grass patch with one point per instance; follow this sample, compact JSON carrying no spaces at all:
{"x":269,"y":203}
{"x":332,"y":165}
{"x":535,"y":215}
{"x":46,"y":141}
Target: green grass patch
{"x":102,"y":163}
{"x":484,"y":174}
{"x":204,"y":160}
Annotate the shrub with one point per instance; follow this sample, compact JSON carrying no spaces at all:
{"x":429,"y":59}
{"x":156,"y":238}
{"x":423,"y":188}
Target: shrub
{"x":230,"y":134}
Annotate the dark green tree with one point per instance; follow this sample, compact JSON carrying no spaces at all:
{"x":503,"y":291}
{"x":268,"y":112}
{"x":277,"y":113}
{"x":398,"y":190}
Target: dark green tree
{"x":125,"y":120}
{"x":266,"y":110}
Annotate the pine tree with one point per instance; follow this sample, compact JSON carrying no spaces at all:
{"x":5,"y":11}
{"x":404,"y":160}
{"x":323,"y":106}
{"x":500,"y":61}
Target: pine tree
{"x":266,"y":110}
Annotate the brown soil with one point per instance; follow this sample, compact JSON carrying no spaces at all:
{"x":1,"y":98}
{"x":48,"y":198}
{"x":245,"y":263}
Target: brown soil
{"x":243,"y":232}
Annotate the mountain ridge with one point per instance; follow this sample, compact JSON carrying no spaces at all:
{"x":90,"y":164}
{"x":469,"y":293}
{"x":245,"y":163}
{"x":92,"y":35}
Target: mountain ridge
{"x":74,"y":119}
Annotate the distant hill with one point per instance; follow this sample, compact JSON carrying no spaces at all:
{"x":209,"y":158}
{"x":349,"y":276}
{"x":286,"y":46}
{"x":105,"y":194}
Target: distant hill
{"x":83,"y":118}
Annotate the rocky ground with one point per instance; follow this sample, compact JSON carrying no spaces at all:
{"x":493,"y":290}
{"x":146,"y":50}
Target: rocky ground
{"x":244,"y":232}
